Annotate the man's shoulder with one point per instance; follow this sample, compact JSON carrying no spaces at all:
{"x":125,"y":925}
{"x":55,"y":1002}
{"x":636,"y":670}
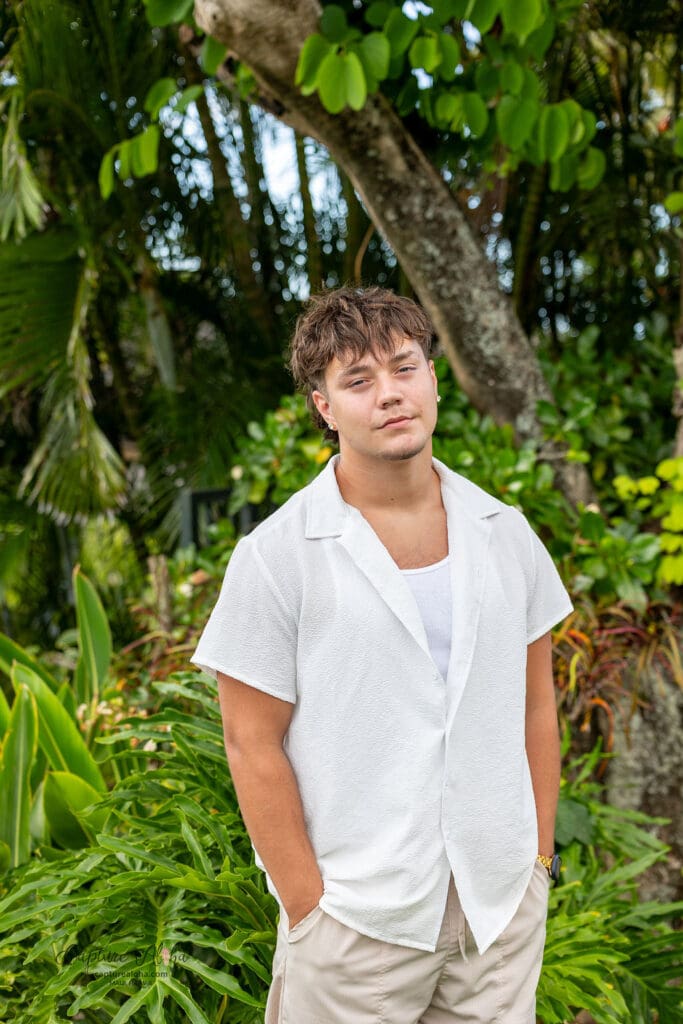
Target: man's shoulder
{"x":287,"y":523}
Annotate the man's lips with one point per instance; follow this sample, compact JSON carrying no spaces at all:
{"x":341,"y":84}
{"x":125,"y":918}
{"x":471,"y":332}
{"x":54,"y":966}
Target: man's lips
{"x":396,"y":420}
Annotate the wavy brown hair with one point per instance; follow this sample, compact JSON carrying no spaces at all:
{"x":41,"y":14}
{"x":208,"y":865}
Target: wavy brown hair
{"x":349,"y":322}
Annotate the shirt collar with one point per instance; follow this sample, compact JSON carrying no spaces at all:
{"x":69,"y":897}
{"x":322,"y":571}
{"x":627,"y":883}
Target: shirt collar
{"x":328,"y":514}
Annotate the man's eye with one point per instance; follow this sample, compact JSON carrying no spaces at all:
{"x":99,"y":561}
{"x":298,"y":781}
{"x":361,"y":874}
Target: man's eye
{"x":402,"y":369}
{"x":355,"y":383}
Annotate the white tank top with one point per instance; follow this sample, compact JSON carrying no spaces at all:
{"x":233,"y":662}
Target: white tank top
{"x":431,"y":587}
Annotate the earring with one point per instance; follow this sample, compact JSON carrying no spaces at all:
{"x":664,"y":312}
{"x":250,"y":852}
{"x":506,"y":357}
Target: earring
{"x":332,"y":426}
{"x":438,"y":398}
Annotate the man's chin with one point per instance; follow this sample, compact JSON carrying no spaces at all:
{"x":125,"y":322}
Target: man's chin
{"x":402,"y":455}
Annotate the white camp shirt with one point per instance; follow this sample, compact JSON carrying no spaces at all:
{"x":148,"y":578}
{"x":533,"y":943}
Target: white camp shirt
{"x":403,"y":778}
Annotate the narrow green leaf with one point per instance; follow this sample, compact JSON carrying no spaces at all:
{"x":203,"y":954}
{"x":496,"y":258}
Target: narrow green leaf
{"x":159,"y":95}
{"x":4,"y":715}
{"x":183,"y":998}
{"x":64,"y":795}
{"x":18,"y":751}
{"x":105,"y":177}
{"x":212,"y":55}
{"x":332,"y":83}
{"x":356,"y":86}
{"x":131,"y":1005}
{"x":187,"y":96}
{"x":58,"y":735}
{"x":219,"y":981}
{"x":94,"y":635}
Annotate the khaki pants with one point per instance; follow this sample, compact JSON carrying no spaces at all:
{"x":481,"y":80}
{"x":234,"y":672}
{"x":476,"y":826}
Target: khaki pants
{"x":327,"y":973}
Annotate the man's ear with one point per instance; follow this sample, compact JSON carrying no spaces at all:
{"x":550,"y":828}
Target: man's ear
{"x":321,"y":403}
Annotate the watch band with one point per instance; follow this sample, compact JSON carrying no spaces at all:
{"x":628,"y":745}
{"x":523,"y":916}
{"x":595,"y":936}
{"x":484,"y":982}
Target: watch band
{"x":552,"y":864}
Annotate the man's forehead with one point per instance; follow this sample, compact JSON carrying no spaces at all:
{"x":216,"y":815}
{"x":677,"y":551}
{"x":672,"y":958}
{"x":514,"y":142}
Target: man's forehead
{"x":397,"y":348}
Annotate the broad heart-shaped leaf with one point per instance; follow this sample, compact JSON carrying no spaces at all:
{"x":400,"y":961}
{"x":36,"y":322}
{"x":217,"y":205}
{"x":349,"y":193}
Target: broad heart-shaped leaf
{"x":333,"y":23}
{"x":94,"y":635}
{"x":159,"y":95}
{"x":476,"y":114}
{"x":212,"y":55}
{"x":515,"y":119}
{"x":484,"y":13}
{"x":356,"y":86}
{"x":521,"y":17}
{"x":58,"y":735}
{"x":553,"y":132}
{"x":65,"y":797}
{"x":313,"y":52}
{"x":168,"y":12}
{"x":18,"y":751}
{"x":11,"y":652}
{"x":332,"y":83}
{"x":591,"y":168}
{"x":425,"y":53}
{"x":400,"y":31}
{"x":375,"y":54}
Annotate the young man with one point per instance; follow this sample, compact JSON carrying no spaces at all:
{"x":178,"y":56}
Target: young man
{"x":382,"y":650}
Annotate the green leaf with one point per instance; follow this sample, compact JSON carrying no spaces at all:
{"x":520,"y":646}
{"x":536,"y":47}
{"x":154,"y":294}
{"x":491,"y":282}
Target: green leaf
{"x":94,"y":635}
{"x":592,"y":168}
{"x":187,"y":96}
{"x":377,"y":13}
{"x":540,"y":39}
{"x":65,"y":797}
{"x":450,"y":57}
{"x":106,"y":176}
{"x":486,"y":79}
{"x":425,"y":53}
{"x":183,"y":998}
{"x":146,"y":151}
{"x":400,"y":31}
{"x":168,"y":12}
{"x":11,"y":652}
{"x":553,"y":132}
{"x":212,"y":55}
{"x":18,"y":751}
{"x":448,"y":106}
{"x":159,"y":95}
{"x":484,"y":13}
{"x":313,"y":52}
{"x":58,"y":735}
{"x":4,"y":715}
{"x":673,"y":203}
{"x":124,"y":157}
{"x":356,"y":86}
{"x":573,"y":822}
{"x":476,"y":113}
{"x":521,"y":17}
{"x":512,"y":77}
{"x":333,"y":23}
{"x":563,"y":172}
{"x":592,"y":526}
{"x":375,"y":54}
{"x":332,"y":83}
{"x":515,"y":119}
{"x":632,"y":593}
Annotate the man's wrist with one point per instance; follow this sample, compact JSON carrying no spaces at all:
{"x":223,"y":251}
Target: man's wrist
{"x":552,"y":863}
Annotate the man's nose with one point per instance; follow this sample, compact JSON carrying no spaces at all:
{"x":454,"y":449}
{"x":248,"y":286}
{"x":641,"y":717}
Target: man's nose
{"x":388,"y":391}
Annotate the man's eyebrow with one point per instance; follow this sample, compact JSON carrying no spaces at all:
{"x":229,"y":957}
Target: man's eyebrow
{"x":398,"y":357}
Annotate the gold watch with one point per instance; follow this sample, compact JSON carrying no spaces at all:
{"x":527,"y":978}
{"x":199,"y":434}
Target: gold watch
{"x":552,"y":865}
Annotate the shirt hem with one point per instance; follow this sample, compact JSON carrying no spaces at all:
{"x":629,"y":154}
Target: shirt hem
{"x":212,"y":667}
{"x":548,"y":625}
{"x":371,"y":933}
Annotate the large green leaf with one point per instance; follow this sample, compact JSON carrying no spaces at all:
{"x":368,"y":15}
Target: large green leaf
{"x":18,"y":751}
{"x":65,"y":798}
{"x":58,"y":735}
{"x":553,"y":132}
{"x":4,"y":714}
{"x":11,"y":652}
{"x":332,"y":82}
{"x":94,"y":639}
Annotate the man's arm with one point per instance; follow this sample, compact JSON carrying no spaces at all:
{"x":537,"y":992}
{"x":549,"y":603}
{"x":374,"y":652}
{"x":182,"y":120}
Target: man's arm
{"x":543,"y":739}
{"x":254,"y":727}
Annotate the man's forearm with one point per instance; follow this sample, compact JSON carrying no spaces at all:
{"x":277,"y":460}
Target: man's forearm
{"x":543,"y":753}
{"x":270,"y":802}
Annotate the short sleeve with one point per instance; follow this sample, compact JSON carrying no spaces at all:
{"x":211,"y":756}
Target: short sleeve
{"x":251,"y":635}
{"x":548,"y":601}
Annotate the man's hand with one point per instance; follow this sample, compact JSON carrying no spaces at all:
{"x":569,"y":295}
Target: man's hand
{"x":254,"y":727}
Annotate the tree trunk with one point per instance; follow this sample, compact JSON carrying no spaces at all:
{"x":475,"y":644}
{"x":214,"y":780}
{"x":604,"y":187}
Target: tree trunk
{"x":413,"y":208}
{"x":313,"y":260}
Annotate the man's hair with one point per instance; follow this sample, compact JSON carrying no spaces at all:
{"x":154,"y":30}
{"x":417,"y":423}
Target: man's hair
{"x":351,"y":322}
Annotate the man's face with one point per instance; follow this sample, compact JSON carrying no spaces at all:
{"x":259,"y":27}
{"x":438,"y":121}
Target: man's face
{"x":383,"y":405}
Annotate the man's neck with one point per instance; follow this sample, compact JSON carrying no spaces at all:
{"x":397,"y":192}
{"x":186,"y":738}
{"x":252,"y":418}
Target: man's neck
{"x":385,"y":485}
